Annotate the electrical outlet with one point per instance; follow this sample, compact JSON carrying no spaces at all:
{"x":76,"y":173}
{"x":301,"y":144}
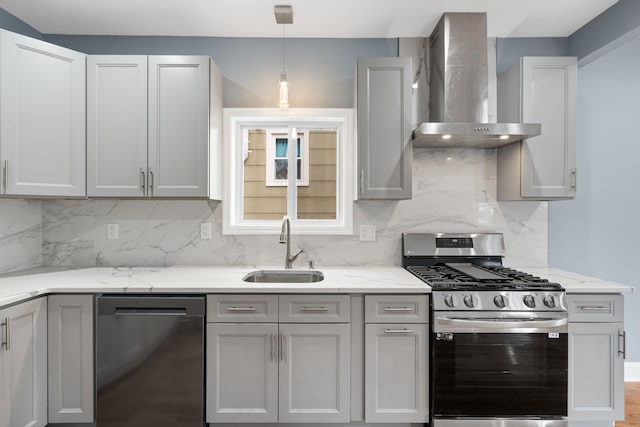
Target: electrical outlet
{"x":205,"y":231}
{"x":112,"y":231}
{"x":368,"y":233}
{"x":486,"y":211}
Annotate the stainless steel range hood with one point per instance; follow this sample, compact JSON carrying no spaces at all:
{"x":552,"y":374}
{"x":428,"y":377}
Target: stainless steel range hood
{"x":458,"y":89}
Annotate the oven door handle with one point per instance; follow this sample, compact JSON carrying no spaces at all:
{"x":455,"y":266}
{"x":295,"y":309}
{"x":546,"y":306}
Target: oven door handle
{"x":453,"y":324}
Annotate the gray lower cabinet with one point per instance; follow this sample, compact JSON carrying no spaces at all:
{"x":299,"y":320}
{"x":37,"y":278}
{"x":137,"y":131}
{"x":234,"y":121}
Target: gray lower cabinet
{"x":71,"y":357}
{"x":539,"y":90}
{"x":383,"y":104}
{"x":259,"y":370}
{"x":596,"y":358}
{"x":23,"y":364}
{"x":396,"y":373}
{"x":315,"y":376}
{"x":242,"y":372}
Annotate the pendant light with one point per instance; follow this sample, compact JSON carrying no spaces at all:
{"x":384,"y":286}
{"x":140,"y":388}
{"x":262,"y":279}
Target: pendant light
{"x":284,"y":15}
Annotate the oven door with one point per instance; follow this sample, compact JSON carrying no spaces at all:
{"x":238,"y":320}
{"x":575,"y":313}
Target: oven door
{"x":500,"y":365}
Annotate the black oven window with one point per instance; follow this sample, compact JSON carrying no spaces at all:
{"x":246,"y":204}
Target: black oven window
{"x":495,"y":374}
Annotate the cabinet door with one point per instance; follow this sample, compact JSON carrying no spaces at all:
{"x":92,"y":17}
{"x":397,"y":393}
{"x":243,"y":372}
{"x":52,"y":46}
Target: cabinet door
{"x":178,"y":126}
{"x":242,"y":372}
{"x":384,"y":128}
{"x":42,"y":117}
{"x":116,"y":126}
{"x":314,"y":373}
{"x":23,"y":359}
{"x":70,"y":344}
{"x":596,"y":371}
{"x":549,"y":97}
{"x":396,"y":373}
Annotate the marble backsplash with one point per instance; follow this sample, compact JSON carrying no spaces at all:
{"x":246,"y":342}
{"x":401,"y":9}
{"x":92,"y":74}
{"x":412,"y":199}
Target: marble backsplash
{"x":453,"y":191}
{"x":20,"y":235}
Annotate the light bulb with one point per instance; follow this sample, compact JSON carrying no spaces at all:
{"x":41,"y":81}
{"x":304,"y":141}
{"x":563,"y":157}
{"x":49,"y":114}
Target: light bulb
{"x":284,"y":91}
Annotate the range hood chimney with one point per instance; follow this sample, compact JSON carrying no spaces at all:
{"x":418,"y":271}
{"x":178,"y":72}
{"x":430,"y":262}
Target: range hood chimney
{"x":458,"y":89}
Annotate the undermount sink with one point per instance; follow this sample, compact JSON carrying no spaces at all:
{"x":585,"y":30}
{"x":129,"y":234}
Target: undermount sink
{"x":284,"y":276}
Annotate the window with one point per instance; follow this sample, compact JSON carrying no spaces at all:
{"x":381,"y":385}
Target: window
{"x":293,"y":162}
{"x":277,"y":164}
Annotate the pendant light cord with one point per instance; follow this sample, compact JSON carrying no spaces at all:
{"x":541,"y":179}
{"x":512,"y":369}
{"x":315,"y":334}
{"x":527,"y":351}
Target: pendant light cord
{"x":283,"y":49}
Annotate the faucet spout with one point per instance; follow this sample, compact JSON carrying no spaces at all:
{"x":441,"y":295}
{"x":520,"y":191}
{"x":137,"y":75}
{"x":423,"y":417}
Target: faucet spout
{"x":285,"y":237}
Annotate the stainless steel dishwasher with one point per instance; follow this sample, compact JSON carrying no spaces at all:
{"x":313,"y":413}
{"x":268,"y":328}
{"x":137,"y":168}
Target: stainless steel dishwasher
{"x":150,"y":361}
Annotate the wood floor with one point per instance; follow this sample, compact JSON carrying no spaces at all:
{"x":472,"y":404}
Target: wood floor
{"x":631,"y":405}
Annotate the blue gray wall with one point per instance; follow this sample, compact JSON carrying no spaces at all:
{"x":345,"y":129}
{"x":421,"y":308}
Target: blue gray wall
{"x":11,"y":23}
{"x":320,"y":70}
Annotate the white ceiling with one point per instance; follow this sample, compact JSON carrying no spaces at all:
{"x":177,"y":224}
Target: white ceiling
{"x":312,"y":18}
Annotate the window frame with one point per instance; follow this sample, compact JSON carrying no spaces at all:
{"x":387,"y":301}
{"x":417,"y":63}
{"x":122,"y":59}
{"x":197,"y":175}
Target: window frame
{"x":235,"y":123}
{"x":270,"y":180}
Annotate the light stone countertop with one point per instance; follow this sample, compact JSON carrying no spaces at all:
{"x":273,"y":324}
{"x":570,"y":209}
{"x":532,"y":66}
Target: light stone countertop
{"x":202,"y":280}
{"x":21,"y":286}
{"x":576,"y":283}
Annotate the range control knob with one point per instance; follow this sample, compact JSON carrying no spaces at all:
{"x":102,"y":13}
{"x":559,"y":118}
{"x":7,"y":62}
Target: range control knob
{"x":529,"y":301}
{"x":468,"y":301}
{"x":549,"y":301}
{"x":500,"y":301}
{"x":448,"y":300}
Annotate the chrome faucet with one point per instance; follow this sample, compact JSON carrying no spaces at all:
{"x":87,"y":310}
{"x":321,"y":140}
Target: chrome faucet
{"x":285,"y":237}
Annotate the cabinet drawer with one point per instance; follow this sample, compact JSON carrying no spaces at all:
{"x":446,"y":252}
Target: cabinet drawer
{"x":396,"y":309}
{"x":315,"y":308}
{"x":596,"y":308}
{"x":242,"y":308}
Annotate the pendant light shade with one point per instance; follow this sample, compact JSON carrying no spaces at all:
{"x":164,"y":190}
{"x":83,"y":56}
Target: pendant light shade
{"x":284,"y":16}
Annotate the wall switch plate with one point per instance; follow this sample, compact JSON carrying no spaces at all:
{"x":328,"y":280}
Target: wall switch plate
{"x":368,"y":233}
{"x":205,"y":231}
{"x":112,"y":231}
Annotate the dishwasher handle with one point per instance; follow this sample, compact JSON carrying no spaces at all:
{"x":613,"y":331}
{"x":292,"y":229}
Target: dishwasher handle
{"x":150,"y":311}
{"x":109,"y":305}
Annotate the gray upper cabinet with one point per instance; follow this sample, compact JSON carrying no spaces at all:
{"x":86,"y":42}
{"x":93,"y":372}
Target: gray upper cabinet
{"x":154,"y":127}
{"x":383,"y":103}
{"x":71,"y":358}
{"x":539,"y":90}
{"x":42,"y":118}
{"x":116,"y":126}
{"x":23,"y":365}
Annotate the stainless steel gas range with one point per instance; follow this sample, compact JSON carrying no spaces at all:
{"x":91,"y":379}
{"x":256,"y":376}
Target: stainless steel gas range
{"x":499,"y":336}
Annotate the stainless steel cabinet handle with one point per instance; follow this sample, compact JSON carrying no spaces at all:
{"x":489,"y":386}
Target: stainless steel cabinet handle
{"x":398,"y":331}
{"x":7,"y":338}
{"x":242,"y":309}
{"x":622,"y":350}
{"x":6,"y":174}
{"x":314,"y":309}
{"x":361,"y":181}
{"x":271,"y":348}
{"x":282,"y":345}
{"x":574,"y":179}
{"x":143,"y":181}
{"x":151,"y":180}
{"x":593,"y":308}
{"x":398,"y":309}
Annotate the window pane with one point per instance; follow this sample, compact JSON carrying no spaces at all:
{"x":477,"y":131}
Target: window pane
{"x":281,"y":168}
{"x":318,"y":199}
{"x":261,"y":201}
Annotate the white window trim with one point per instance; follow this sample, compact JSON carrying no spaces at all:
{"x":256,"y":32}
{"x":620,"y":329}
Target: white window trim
{"x":235,"y":119}
{"x":270,"y":180}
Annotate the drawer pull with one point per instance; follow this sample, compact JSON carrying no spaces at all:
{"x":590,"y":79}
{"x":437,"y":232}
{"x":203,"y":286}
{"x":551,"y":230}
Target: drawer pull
{"x":593,"y":308}
{"x":404,"y":309}
{"x":314,"y":309}
{"x":241,"y":309}
{"x":398,"y":331}
{"x":622,"y":350}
